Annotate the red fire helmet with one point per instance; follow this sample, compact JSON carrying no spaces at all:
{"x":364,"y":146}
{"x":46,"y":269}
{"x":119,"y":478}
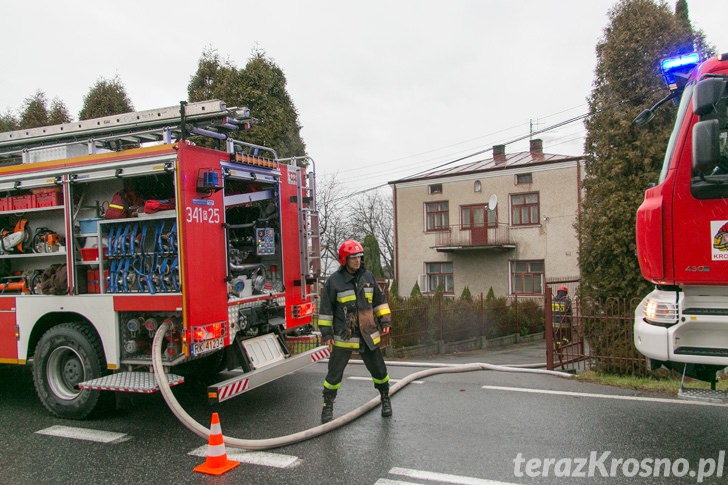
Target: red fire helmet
{"x":349,"y":248}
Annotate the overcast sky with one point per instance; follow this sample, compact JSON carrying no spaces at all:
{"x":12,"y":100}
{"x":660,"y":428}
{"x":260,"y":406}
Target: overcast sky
{"x":384,"y":89}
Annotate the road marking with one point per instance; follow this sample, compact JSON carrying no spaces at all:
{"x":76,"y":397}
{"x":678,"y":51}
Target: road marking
{"x":275,"y":460}
{"x":355,"y":378}
{"x":604,"y":396}
{"x":85,"y":434}
{"x":442,"y":477}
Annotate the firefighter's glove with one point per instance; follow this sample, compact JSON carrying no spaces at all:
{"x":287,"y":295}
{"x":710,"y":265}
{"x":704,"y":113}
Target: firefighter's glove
{"x":327,"y":339}
{"x":386,"y":324}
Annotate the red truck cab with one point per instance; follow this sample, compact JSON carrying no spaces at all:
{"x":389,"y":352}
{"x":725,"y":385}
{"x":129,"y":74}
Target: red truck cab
{"x":682,"y":234}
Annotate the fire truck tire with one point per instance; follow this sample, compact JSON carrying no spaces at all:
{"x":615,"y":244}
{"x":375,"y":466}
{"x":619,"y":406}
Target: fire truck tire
{"x":66,"y":355}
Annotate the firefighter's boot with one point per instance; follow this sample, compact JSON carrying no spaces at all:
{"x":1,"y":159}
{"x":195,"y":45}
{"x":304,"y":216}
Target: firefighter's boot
{"x":327,"y":413}
{"x":386,"y":403}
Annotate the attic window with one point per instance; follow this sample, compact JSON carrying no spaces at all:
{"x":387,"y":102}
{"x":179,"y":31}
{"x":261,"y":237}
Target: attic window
{"x":524,"y":178}
{"x":435,"y":189}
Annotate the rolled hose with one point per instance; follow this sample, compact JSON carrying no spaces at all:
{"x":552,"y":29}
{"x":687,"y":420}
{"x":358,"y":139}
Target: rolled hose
{"x":270,"y":443}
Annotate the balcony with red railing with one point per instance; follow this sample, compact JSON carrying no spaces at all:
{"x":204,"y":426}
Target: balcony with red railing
{"x":458,"y":238}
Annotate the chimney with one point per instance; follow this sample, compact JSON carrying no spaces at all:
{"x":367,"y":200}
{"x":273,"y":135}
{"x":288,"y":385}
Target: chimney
{"x":499,"y":154}
{"x":537,"y":148}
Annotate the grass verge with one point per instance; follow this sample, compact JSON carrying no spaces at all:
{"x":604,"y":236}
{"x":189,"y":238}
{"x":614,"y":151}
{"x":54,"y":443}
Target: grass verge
{"x":663,"y":385}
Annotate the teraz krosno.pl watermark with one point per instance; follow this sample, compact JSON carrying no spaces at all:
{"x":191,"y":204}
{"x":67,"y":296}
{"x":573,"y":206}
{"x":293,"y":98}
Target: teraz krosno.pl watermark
{"x":605,"y":465}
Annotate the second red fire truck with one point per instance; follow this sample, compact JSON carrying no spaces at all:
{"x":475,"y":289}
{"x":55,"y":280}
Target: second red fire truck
{"x":114,"y":225}
{"x":682,"y":228}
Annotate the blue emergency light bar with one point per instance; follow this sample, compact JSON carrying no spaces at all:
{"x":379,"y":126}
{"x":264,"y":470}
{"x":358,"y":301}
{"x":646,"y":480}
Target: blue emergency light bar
{"x":675,"y":70}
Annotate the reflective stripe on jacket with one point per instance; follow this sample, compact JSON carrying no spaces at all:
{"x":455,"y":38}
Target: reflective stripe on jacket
{"x":561,"y":312}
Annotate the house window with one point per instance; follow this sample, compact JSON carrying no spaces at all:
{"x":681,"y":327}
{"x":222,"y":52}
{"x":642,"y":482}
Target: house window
{"x":439,"y":275}
{"x":476,"y":186}
{"x":436,"y":216}
{"x":524,"y":178}
{"x":474,"y":216}
{"x":524,"y":209}
{"x":527,"y":277}
{"x":492,"y":218}
{"x":435,"y":189}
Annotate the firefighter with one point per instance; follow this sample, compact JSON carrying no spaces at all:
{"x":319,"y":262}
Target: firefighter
{"x":353,"y":315}
{"x":561,"y":316}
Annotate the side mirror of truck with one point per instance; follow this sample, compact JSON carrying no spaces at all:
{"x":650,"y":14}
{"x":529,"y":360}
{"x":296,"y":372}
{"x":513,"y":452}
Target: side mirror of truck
{"x":706,"y":95}
{"x":706,"y":148}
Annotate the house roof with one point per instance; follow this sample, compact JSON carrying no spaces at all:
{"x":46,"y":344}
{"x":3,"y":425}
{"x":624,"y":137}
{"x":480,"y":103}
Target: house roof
{"x":500,"y":161}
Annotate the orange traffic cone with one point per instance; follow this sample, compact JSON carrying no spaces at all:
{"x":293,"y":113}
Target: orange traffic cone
{"x":216,"y":462}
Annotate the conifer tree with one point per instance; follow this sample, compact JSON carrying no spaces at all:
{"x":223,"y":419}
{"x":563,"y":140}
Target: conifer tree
{"x":261,"y":87}
{"x":215,"y":78}
{"x":264,"y":88}
{"x":622,"y":160}
{"x":35,"y":111}
{"x":416,"y":292}
{"x":8,"y":121}
{"x":58,"y":113}
{"x":105,"y":98}
{"x":372,"y":256}
{"x":394,"y":292}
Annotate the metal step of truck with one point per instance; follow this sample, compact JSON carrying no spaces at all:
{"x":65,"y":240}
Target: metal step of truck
{"x":141,"y":382}
{"x":243,"y":382}
{"x":705,"y":395}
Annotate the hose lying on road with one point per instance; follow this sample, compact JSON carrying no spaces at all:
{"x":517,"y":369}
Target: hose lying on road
{"x":269,"y":443}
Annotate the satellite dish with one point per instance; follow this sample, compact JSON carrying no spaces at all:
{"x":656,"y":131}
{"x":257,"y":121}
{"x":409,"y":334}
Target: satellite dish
{"x":492,"y":202}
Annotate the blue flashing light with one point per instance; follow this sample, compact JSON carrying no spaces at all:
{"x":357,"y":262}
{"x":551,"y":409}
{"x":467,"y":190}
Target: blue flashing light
{"x":675,"y":69}
{"x":682,"y":62}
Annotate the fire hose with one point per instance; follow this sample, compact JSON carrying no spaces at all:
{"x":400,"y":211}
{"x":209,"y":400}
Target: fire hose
{"x":269,"y":443}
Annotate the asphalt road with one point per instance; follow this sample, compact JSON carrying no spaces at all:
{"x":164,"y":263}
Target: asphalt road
{"x":477,"y":427}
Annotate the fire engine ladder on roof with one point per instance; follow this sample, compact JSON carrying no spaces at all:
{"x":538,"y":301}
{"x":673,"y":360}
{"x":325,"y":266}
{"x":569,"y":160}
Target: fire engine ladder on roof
{"x":112,"y":133}
{"x":308,"y":225}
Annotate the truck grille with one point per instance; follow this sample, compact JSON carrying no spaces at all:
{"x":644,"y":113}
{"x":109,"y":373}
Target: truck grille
{"x":706,"y":311}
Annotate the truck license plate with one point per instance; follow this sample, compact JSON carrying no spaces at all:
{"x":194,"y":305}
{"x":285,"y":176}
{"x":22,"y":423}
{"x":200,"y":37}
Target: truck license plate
{"x":207,"y":346}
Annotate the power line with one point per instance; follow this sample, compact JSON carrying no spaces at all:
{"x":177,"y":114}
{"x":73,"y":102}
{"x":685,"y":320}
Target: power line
{"x":543,"y":130}
{"x":368,"y":165}
{"x":515,"y":140}
{"x":399,"y":168}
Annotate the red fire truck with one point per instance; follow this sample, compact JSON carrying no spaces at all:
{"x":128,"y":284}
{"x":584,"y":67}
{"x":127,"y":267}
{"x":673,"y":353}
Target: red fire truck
{"x":682,"y":228}
{"x":114,"y":225}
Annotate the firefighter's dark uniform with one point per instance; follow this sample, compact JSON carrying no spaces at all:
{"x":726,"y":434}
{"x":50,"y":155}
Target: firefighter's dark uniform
{"x":350,"y":306}
{"x":561,"y":318}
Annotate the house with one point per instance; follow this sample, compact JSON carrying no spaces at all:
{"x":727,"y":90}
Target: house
{"x":507,"y":223}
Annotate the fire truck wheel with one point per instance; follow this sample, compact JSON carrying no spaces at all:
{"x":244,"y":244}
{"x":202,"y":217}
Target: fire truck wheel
{"x":66,"y":355}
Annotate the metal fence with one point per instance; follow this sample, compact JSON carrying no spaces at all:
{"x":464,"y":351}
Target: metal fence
{"x":600,"y":337}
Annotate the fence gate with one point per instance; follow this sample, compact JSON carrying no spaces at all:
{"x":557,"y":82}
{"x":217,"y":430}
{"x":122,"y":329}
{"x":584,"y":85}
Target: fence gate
{"x":599,"y":334}
{"x":565,"y":345}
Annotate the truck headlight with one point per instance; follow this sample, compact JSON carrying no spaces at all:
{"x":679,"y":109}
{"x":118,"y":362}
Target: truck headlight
{"x":660,"y":312}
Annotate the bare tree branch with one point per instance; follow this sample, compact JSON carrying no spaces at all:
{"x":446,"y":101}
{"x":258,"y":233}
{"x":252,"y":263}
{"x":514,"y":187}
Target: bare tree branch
{"x":333,"y":217}
{"x":373,"y":214}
